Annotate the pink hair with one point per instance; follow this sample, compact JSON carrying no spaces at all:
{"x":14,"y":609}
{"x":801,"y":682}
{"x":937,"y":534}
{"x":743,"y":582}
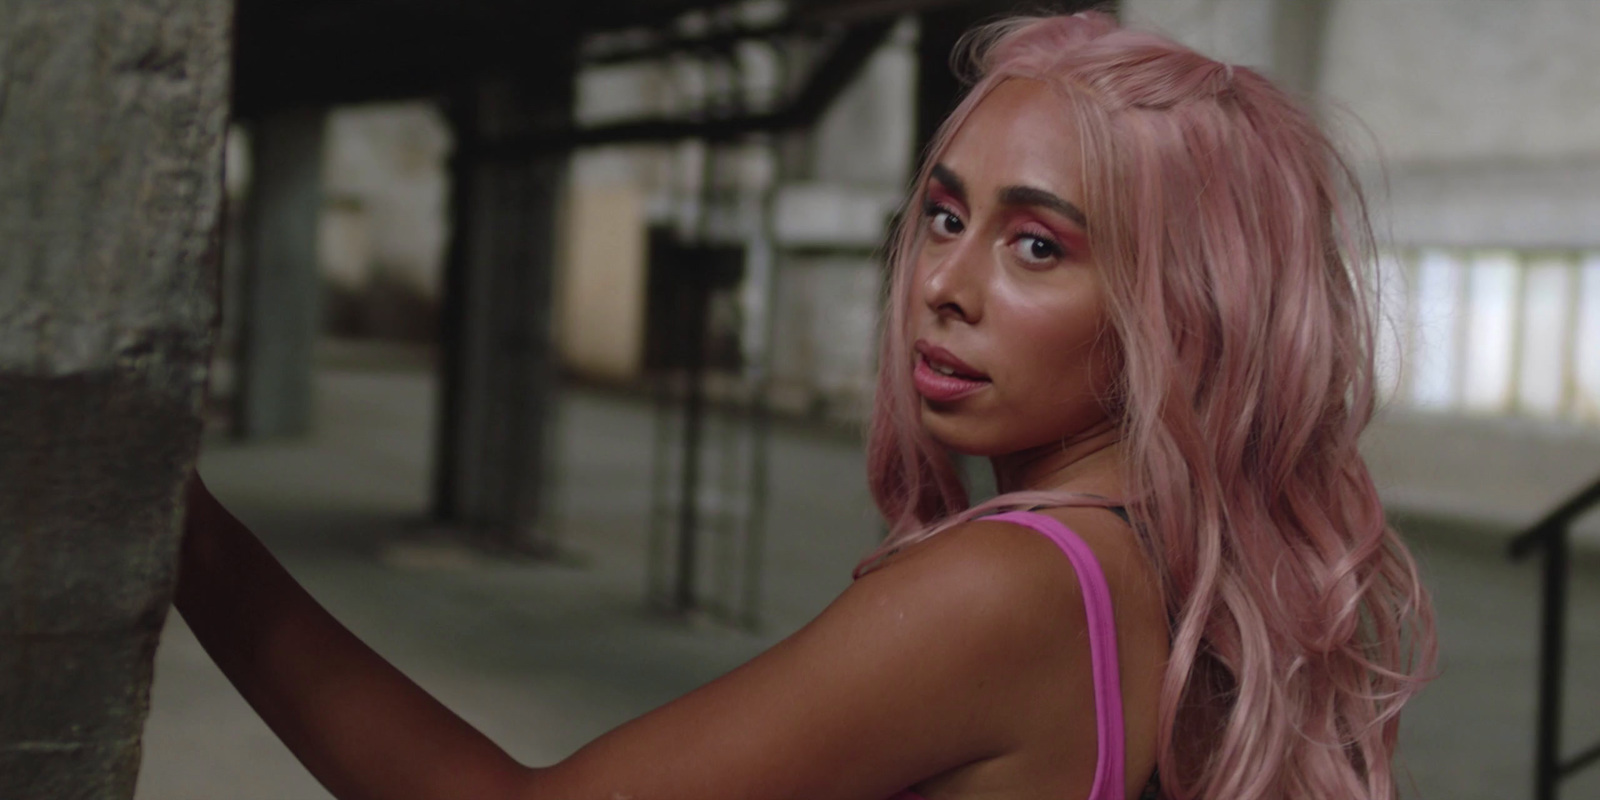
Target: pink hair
{"x":1233,"y":239}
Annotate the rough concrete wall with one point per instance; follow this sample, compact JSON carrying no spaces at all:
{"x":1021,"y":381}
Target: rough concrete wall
{"x":1487,"y":114}
{"x":1469,"y":80}
{"x":111,"y":129}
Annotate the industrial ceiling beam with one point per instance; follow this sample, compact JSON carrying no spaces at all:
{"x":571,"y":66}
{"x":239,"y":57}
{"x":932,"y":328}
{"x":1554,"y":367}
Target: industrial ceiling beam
{"x":822,"y":87}
{"x":331,"y":52}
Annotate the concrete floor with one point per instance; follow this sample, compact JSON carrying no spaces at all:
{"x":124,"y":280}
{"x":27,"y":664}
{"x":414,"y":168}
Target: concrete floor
{"x":544,"y":657}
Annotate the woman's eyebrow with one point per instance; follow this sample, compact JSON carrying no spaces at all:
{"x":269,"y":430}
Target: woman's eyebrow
{"x":1030,"y":196}
{"x":1012,"y":195}
{"x":952,"y":183}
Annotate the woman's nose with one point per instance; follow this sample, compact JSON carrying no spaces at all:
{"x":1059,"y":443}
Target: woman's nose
{"x":951,"y":284}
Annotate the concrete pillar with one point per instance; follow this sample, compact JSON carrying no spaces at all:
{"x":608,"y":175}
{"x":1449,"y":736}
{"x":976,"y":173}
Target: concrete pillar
{"x":112,"y":117}
{"x":499,"y":376}
{"x":1283,"y":38}
{"x":278,"y":309}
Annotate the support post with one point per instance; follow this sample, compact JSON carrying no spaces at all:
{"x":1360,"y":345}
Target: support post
{"x":279,"y":304}
{"x":694,"y":303}
{"x":112,"y":119}
{"x":500,"y":375}
{"x":1552,"y":646}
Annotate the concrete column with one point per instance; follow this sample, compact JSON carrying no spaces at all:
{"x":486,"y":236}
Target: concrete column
{"x":500,"y":370}
{"x":1283,"y":38}
{"x":278,"y":309}
{"x":112,"y":117}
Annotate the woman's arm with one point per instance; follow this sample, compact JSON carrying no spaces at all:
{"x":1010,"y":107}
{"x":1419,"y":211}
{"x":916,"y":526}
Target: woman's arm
{"x":920,"y":667}
{"x":360,"y":726}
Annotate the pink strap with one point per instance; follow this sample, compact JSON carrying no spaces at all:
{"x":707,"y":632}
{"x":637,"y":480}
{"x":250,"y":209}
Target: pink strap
{"x":1108,"y":772}
{"x":1109,"y":766}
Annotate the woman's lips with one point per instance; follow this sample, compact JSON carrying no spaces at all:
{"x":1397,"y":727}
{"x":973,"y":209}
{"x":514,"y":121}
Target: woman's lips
{"x":938,"y":387}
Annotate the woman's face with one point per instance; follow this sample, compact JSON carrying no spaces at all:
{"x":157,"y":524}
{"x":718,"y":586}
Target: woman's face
{"x":1012,"y":347}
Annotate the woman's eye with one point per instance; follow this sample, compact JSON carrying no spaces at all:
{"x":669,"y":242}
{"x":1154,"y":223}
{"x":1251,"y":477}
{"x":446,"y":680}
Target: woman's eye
{"x":944,"y":222}
{"x":1036,"y":249}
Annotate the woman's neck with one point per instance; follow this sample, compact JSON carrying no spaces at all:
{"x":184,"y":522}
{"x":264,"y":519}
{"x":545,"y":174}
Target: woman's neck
{"x":1090,"y":461}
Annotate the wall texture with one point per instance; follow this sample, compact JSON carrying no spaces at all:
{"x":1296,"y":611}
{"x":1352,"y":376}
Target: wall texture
{"x":1476,"y":121}
{"x":111,"y":126}
{"x":1469,"y":79}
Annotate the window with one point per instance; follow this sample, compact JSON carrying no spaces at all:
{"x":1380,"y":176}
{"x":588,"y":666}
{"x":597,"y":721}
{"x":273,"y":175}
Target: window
{"x":1492,"y":332}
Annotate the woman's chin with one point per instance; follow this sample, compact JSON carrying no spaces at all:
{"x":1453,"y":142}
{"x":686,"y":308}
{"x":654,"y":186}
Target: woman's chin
{"x":959,"y":438}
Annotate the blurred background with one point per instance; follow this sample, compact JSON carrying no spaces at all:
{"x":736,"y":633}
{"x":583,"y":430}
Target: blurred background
{"x":548,"y":336}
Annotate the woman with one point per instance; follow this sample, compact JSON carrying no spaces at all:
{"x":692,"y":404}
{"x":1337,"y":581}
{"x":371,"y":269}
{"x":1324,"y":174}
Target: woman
{"x":1134,"y":286}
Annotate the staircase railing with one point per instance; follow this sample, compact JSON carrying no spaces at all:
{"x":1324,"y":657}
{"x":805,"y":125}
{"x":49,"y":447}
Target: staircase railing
{"x":1553,"y":536}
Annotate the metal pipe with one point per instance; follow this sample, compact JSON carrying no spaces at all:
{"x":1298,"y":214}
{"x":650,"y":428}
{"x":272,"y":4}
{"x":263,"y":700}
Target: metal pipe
{"x":1547,"y":747}
{"x":1580,"y":760}
{"x":694,"y":322}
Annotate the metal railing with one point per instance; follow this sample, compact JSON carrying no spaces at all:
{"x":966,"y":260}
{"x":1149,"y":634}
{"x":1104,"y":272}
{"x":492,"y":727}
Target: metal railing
{"x":1553,"y":535}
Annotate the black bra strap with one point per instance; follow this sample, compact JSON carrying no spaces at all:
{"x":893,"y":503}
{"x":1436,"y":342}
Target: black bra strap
{"x":1120,"y":511}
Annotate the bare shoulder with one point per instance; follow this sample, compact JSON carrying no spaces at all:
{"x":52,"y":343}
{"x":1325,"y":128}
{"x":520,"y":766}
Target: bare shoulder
{"x":1015,"y":581}
{"x":1016,"y":563}
{"x":986,"y":558}
{"x":999,"y":588}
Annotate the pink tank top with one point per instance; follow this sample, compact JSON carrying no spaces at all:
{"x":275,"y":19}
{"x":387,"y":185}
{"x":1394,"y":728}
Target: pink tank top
{"x":1109,"y":766}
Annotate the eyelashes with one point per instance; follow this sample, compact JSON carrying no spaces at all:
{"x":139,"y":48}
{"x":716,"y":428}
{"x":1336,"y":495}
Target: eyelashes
{"x":1037,"y":249}
{"x":1030,"y":245}
{"x":941,"y":219}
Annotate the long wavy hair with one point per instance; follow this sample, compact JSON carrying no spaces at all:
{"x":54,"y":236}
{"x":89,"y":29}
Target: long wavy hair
{"x":1234,"y":242}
